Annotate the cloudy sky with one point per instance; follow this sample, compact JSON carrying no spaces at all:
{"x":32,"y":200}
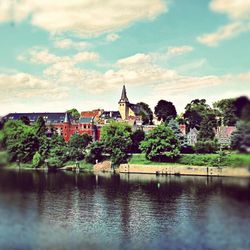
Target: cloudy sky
{"x":59,"y":54}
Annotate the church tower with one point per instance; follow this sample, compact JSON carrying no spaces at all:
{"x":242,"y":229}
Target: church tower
{"x":124,"y":104}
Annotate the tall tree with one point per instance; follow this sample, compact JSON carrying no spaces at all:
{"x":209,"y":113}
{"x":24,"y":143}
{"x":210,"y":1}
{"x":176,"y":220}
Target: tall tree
{"x":165,"y":111}
{"x":146,"y":113}
{"x":117,"y":140}
{"x":25,"y":120}
{"x":39,"y":126}
{"x":160,"y":144}
{"x":227,"y":111}
{"x":196,"y":111}
{"x":243,"y":108}
{"x":136,"y":137}
{"x":74,"y":113}
{"x":207,"y":126}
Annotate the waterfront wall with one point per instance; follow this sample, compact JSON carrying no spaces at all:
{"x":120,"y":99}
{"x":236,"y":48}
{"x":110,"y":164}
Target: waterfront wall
{"x":184,"y":170}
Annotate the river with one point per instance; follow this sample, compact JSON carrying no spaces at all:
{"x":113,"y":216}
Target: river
{"x":60,"y":210}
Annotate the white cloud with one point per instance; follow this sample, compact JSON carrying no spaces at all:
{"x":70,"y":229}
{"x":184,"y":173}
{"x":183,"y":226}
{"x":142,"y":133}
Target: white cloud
{"x":138,"y":58}
{"x":43,"y":56}
{"x":174,"y":51}
{"x":85,"y":18}
{"x":68,"y":43}
{"x":112,"y":37}
{"x":238,"y":12}
{"x":225,"y":32}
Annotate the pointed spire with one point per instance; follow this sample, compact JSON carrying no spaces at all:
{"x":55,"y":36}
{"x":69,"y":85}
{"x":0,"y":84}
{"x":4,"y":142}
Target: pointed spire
{"x":124,"y":97}
{"x":66,"y":118}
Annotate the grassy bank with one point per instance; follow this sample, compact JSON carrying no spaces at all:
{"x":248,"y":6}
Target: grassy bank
{"x":229,"y":160}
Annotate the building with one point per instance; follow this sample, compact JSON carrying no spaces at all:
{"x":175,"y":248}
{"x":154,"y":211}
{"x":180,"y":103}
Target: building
{"x":192,"y":136}
{"x":61,"y":123}
{"x":128,"y":110}
{"x":223,"y":134}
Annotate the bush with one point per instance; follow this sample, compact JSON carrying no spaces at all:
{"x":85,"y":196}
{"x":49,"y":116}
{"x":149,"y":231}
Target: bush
{"x":54,"y":163}
{"x":3,"y":158}
{"x":200,"y":159}
{"x":37,"y":160}
{"x":206,"y":147}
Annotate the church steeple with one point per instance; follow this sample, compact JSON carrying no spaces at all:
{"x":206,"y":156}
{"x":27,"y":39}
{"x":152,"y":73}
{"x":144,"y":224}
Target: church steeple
{"x":66,"y":118}
{"x":124,"y":97}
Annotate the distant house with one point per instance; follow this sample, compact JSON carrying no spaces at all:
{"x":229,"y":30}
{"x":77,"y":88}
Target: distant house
{"x":223,"y":134}
{"x":192,"y":136}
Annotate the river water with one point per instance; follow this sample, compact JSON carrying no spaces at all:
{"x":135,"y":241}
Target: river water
{"x":41,"y":210}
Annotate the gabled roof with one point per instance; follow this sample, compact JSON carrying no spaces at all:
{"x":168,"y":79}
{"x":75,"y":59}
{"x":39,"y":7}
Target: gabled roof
{"x":85,"y":120}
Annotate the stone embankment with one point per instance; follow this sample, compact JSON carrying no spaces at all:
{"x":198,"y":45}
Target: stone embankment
{"x":184,"y":170}
{"x":104,"y":166}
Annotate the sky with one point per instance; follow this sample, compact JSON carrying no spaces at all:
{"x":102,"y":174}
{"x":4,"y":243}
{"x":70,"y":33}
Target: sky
{"x":60,"y":54}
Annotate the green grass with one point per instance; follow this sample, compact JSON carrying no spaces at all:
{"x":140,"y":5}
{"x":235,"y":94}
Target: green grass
{"x":83,"y":165}
{"x":228,"y":160}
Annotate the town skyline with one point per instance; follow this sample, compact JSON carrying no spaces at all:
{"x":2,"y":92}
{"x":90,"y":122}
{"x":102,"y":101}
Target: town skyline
{"x":159,"y":49}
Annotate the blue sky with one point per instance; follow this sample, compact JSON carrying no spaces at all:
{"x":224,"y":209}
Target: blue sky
{"x":59,"y":54}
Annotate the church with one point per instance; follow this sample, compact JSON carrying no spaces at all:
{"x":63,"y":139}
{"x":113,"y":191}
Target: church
{"x":128,"y":111}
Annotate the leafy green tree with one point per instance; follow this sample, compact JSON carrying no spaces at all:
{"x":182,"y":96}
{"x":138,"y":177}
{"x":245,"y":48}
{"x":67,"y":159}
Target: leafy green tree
{"x":240,"y":139}
{"x":25,"y":120}
{"x":227,"y":110}
{"x":136,"y":137}
{"x":39,"y":127}
{"x":196,"y":111}
{"x":80,"y":141}
{"x":165,"y":111}
{"x":20,"y":140}
{"x":95,"y":152}
{"x":206,"y":147}
{"x":117,"y":139}
{"x":207,"y":126}
{"x":146,"y":113}
{"x":160,"y":144}
{"x":74,"y":113}
{"x":242,"y":105}
{"x":37,"y":160}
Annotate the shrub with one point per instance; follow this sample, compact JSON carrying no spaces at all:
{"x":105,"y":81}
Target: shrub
{"x":206,"y":147}
{"x":37,"y":160}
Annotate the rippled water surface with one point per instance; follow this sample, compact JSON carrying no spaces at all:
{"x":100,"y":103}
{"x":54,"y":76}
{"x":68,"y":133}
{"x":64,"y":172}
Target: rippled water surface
{"x":83,"y":211}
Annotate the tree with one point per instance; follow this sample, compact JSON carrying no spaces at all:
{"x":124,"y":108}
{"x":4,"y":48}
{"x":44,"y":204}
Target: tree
{"x":146,"y":113}
{"x":95,"y":152}
{"x":195,"y":113}
{"x":117,"y":140}
{"x":136,"y":138}
{"x":184,"y":147}
{"x":25,"y":120}
{"x":206,"y":147}
{"x":160,"y":144}
{"x":242,"y":105}
{"x":20,"y":140}
{"x":165,"y":111}
{"x":77,"y":145}
{"x":207,"y":126}
{"x":39,"y":126}
{"x":240,"y":139}
{"x":74,"y":113}
{"x":227,"y":110}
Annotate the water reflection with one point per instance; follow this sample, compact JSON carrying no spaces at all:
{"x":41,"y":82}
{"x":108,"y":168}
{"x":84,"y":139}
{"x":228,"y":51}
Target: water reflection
{"x":72,"y":211}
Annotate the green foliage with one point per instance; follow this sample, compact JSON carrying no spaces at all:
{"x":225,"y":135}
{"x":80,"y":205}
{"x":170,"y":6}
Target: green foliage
{"x":79,"y":141}
{"x":3,"y":158}
{"x":196,"y":111}
{"x":146,"y":113}
{"x":37,"y":160}
{"x":206,"y":147}
{"x":54,"y":162}
{"x":240,"y":139}
{"x":160,"y":144}
{"x":39,"y":127}
{"x":227,"y":110}
{"x":136,"y":137}
{"x":25,"y":120}
{"x":207,"y":126}
{"x":165,"y":111}
{"x":74,"y":113}
{"x":242,"y":108}
{"x":95,"y":152}
{"x":117,"y":139}
{"x":20,"y":141}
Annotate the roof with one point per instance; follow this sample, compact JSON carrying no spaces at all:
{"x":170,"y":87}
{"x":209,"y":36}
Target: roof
{"x":136,"y":109}
{"x":111,"y":114}
{"x":48,"y":117}
{"x":124,"y":97}
{"x":85,"y":120}
{"x":93,"y":113}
